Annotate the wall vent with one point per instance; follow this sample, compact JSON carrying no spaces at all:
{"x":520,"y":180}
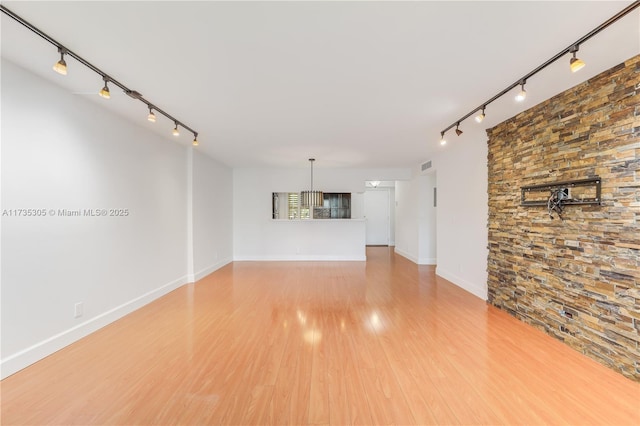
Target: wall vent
{"x":426,"y":165}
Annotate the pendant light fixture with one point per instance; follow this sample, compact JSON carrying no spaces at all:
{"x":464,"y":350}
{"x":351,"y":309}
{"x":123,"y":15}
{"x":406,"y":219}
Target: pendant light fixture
{"x":195,"y":140}
{"x":175,"y":131}
{"x":151,"y":117}
{"x":311,"y":198}
{"x":61,"y":66}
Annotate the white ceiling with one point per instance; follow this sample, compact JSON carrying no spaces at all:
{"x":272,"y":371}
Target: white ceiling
{"x":353,"y":84}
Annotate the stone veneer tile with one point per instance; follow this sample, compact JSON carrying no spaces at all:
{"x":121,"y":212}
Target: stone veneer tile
{"x":578,"y":279}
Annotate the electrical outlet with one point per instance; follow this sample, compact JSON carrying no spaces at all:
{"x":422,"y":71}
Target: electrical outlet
{"x":78,"y":310}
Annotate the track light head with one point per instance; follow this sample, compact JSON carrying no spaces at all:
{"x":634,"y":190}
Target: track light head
{"x":523,"y":93}
{"x":480,"y":116}
{"x":575,"y":64}
{"x":61,"y":66}
{"x":458,"y":131}
{"x":443,"y":141}
{"x":195,"y":139}
{"x":175,"y":131}
{"x":151,"y":117}
{"x":104,"y":92}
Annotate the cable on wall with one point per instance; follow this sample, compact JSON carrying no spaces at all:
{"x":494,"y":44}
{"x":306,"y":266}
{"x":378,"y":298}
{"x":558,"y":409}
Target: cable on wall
{"x":574,"y":63}
{"x":61,"y":68}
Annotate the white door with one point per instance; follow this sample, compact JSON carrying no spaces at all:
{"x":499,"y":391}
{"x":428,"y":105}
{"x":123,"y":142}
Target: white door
{"x":376,"y":212}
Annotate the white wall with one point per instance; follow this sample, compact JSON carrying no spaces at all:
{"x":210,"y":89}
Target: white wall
{"x":427,"y":230}
{"x":392,"y":215}
{"x":407,"y":226}
{"x":416,"y":219}
{"x":462,"y":215}
{"x":460,"y":225}
{"x":212,"y":213}
{"x":60,"y":151}
{"x":257,"y":237}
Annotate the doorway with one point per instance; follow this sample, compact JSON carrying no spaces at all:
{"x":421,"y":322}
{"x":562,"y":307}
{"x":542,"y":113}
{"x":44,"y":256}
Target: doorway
{"x":376,"y":213}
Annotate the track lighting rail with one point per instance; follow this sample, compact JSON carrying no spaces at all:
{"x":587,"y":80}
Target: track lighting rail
{"x":570,"y":49}
{"x":105,"y":76}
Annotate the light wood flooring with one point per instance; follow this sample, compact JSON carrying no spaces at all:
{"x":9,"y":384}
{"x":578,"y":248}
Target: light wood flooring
{"x":381,"y":342}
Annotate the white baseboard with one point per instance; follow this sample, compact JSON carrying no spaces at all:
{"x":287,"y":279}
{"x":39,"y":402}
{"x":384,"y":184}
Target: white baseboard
{"x":211,"y":268}
{"x":418,"y":261}
{"x":34,"y":353}
{"x":406,"y":255}
{"x":473,"y":288}
{"x":301,"y":257}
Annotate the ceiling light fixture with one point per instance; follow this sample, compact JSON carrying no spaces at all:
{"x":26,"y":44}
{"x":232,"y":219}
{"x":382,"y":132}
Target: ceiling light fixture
{"x":151,"y":117}
{"x":443,"y":141}
{"x":311,"y":198}
{"x":458,"y":131}
{"x":195,"y":140}
{"x":522,"y":95}
{"x":575,"y":66}
{"x":104,"y":92}
{"x":175,"y":131}
{"x":61,"y":67}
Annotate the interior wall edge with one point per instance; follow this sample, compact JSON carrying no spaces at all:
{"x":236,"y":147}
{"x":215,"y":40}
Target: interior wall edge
{"x":406,"y":255}
{"x":211,"y":269}
{"x":462,"y":283}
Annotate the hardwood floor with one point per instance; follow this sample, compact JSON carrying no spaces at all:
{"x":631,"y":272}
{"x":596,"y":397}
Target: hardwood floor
{"x":381,"y":342}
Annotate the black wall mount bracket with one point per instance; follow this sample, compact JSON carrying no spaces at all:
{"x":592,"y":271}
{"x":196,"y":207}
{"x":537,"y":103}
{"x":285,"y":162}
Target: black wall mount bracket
{"x":581,"y":191}
{"x":557,"y":195}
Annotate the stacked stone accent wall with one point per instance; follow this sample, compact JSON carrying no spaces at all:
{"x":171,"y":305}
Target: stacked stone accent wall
{"x":578,"y":279}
